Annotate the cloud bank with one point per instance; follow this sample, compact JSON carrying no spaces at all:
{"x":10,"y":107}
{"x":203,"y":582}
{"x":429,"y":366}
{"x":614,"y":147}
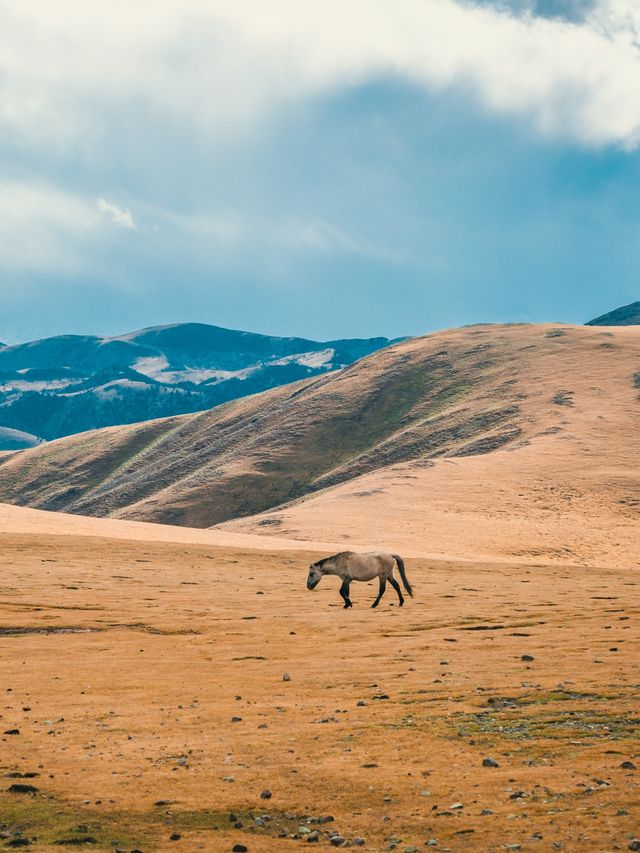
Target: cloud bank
{"x":316,"y":167}
{"x":218,"y":67}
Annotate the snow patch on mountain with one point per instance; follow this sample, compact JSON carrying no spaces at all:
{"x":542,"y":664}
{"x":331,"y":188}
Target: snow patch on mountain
{"x":157,"y":367}
{"x":317,"y":358}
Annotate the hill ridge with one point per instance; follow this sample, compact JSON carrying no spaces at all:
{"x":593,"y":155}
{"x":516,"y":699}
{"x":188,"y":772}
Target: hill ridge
{"x":69,"y":384}
{"x":455,"y":396}
{"x":626,"y":315}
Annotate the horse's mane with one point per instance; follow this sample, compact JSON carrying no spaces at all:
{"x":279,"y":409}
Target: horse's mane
{"x":321,"y":563}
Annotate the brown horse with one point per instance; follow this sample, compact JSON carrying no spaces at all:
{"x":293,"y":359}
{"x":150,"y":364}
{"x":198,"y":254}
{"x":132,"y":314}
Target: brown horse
{"x":360,"y":567}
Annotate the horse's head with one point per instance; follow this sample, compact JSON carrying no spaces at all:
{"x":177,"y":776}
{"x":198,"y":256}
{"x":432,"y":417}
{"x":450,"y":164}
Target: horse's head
{"x":314,"y":576}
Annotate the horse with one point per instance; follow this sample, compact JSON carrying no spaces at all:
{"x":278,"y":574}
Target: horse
{"x":351,"y":566}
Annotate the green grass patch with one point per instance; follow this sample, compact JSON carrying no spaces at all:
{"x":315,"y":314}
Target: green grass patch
{"x":546,"y":725}
{"x":48,"y":821}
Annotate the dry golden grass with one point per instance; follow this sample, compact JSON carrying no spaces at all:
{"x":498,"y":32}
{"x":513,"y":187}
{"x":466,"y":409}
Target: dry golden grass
{"x":169,"y":641}
{"x":567,"y":490}
{"x":558,"y":403}
{"x":127,"y":649}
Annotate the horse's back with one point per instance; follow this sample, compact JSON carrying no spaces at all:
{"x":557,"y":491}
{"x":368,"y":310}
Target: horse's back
{"x":369,"y":565}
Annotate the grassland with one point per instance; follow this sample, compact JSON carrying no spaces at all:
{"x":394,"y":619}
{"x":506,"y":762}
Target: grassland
{"x":146,"y":682}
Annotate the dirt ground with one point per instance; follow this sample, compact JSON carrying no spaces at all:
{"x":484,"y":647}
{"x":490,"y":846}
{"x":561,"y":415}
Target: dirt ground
{"x":145,"y":680}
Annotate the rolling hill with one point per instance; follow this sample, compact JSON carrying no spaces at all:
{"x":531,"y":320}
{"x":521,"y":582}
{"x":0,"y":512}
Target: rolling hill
{"x":518,"y":440}
{"x":71,"y":383}
{"x":627,"y":315}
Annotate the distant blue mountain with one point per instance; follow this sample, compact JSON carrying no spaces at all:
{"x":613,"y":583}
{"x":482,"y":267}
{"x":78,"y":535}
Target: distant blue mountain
{"x":70,"y":383}
{"x":627,"y":315}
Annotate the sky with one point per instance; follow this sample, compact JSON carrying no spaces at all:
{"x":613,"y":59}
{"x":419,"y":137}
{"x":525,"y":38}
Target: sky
{"x":316,"y":167}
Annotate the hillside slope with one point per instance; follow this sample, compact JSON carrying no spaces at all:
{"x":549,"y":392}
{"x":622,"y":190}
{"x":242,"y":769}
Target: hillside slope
{"x":508,"y":407}
{"x":71,"y":383}
{"x":627,"y":315}
{"x":566,"y":491}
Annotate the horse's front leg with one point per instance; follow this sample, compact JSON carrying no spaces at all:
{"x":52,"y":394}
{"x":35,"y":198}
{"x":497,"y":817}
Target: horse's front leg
{"x":383,"y":586}
{"x":344,"y":592}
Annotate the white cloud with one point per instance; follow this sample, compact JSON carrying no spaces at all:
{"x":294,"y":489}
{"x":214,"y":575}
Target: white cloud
{"x":119,"y":216}
{"x":217,"y":67}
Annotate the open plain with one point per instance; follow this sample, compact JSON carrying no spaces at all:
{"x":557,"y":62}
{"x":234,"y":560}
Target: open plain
{"x":178,"y":688}
{"x":146,"y":681}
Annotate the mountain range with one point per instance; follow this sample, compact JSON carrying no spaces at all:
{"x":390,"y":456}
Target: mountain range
{"x":68,"y":384}
{"x":519,"y":438}
{"x":72,"y":383}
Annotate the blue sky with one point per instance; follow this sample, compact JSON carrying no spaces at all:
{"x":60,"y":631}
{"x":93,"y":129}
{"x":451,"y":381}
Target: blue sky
{"x":296,"y":168}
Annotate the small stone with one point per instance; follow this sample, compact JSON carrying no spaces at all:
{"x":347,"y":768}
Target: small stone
{"x":635,"y":844}
{"x":12,"y":732}
{"x":286,"y":677}
{"x":266,"y":794}
{"x":490,"y":762}
{"x":336,"y":841}
{"x":485,"y":812}
{"x":358,"y":842}
{"x":411,"y":849}
{"x":175,"y":836}
{"x":313,"y":836}
{"x":239,"y":848}
{"x":236,"y":719}
{"x":456,"y":806}
{"x":527,"y":657}
{"x":361,"y":703}
{"x":432,"y":843}
{"x":628,"y":765}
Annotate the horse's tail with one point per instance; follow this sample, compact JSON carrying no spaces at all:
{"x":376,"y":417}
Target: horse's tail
{"x":403,"y":574}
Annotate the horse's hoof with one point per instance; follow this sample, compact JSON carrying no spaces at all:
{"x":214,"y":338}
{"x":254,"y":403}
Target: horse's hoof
{"x":402,"y":604}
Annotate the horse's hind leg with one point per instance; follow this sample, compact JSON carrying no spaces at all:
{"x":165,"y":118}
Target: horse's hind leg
{"x":383,"y":586}
{"x":344,"y":592}
{"x":394,"y":583}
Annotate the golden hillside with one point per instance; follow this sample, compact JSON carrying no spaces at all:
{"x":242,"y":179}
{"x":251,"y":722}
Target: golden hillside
{"x":522,"y":427}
